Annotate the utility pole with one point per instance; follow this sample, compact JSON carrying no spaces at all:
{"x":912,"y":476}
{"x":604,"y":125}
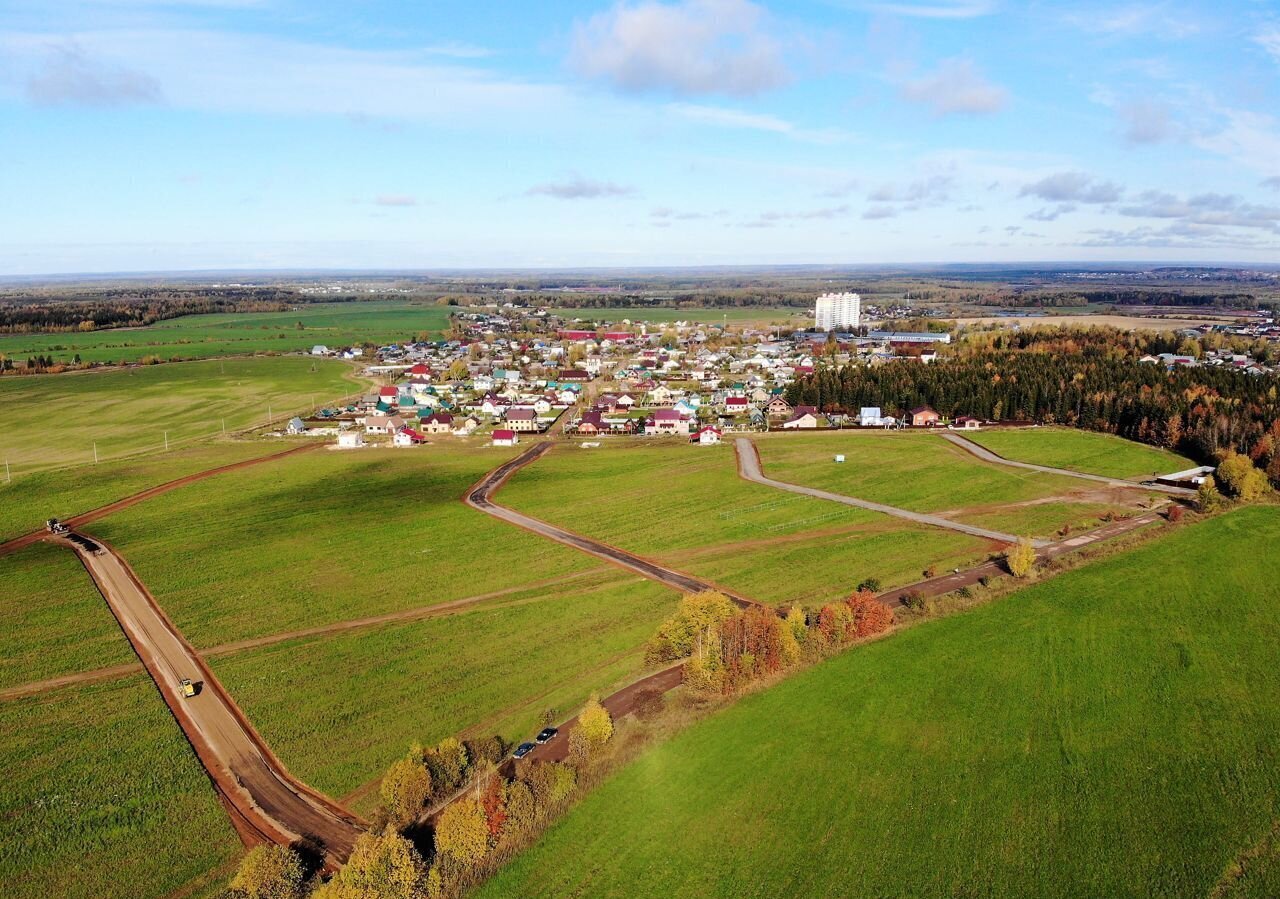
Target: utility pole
{"x":8,"y":478}
{"x":224,"y":427}
{"x":95,"y":452}
{"x":166,"y":441}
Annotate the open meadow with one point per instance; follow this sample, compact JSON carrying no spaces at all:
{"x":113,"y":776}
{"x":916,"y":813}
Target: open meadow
{"x":103,"y":798}
{"x":338,"y":709}
{"x":239,"y":334}
{"x":54,"y":620}
{"x":924,"y":473}
{"x":1086,"y":451}
{"x":55,"y":420}
{"x":328,"y":536}
{"x":1109,"y":732}
{"x":687,"y":507}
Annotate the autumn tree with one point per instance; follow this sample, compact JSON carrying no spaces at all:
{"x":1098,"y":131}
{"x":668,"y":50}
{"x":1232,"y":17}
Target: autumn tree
{"x":869,"y":615}
{"x":835,"y":623}
{"x":522,"y":808}
{"x":405,"y":789}
{"x":1208,"y":499}
{"x":494,"y":803}
{"x":463,"y":832}
{"x":693,"y":630}
{"x":269,"y":872}
{"x":595,"y":724}
{"x":382,"y":866}
{"x":1021,"y":558}
{"x":1240,"y":478}
{"x":448,"y":763}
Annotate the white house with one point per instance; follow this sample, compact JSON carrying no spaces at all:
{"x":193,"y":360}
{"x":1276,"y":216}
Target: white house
{"x":350,"y":439}
{"x":381,"y":424}
{"x":504,"y":437}
{"x":319,"y":350}
{"x":869,"y":416}
{"x":707,"y":436}
{"x":296,"y":426}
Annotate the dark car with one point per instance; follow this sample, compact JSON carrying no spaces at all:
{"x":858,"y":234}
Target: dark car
{"x":522,"y":750}
{"x":546,"y":734}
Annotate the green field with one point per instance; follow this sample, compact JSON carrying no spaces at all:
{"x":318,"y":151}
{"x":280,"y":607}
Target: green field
{"x":102,"y":797}
{"x":339,"y":709}
{"x":1086,"y":451}
{"x":687,"y":506}
{"x":25,"y":502}
{"x":54,"y":620}
{"x":328,"y":536}
{"x":1111,"y":732}
{"x":55,"y":420}
{"x":924,"y":473}
{"x":239,"y":334}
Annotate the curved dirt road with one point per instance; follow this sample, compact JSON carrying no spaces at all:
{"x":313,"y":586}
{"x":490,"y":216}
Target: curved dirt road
{"x":749,"y":469}
{"x":481,"y":497}
{"x":986,"y":455}
{"x":77,"y":521}
{"x":264,"y":801}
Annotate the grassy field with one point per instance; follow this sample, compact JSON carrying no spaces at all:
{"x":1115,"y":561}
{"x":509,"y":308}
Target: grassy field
{"x":687,"y":506}
{"x":1107,"y":733}
{"x":328,"y":536}
{"x":238,"y":334}
{"x":492,"y":669}
{"x":54,"y":620}
{"x":1086,"y":451}
{"x":55,"y":420}
{"x":102,"y":798}
{"x":924,"y":473}
{"x":27,"y":501}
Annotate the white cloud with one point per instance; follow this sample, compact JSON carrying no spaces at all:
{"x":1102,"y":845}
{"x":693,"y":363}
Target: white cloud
{"x":1269,"y":41}
{"x":733,"y":118}
{"x":227,"y":72}
{"x":685,"y":48}
{"x":70,"y":77}
{"x":1251,"y":139}
{"x":956,"y":86}
{"x":939,"y":9}
{"x":1159,"y":20}
{"x":1073,"y":187}
{"x":395,"y":200}
{"x":1145,"y":121}
{"x":1225,"y":210}
{"x":579,"y":188}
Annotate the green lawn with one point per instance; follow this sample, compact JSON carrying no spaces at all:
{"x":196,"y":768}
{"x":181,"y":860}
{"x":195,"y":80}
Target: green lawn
{"x":27,"y":501}
{"x":102,"y":797}
{"x":1085,"y":451}
{"x":55,"y":420}
{"x":328,"y":536}
{"x":686,"y":505}
{"x":339,"y":709}
{"x":238,"y":334}
{"x":54,"y":620}
{"x":924,"y":473}
{"x":1111,"y":732}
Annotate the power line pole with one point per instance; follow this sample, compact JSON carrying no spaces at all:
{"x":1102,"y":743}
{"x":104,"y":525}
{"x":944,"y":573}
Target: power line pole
{"x":8,"y":478}
{"x":95,"y":453}
{"x":166,"y":441}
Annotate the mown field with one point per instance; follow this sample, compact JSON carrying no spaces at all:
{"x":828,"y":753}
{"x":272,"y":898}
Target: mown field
{"x":339,"y":709}
{"x":1110,"y":732}
{"x":1086,"y":451}
{"x":55,"y":420}
{"x":328,"y":536}
{"x":54,"y":620}
{"x":27,"y":501}
{"x":239,"y":334}
{"x":924,"y":473}
{"x":686,"y":506}
{"x":102,"y":797}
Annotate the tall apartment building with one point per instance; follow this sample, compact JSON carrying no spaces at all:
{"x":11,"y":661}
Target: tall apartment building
{"x":838,"y":310}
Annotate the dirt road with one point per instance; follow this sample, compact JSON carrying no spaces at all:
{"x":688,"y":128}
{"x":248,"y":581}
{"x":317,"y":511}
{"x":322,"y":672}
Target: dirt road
{"x":749,"y":469}
{"x":987,"y":456}
{"x":78,"y":521}
{"x":481,"y":497}
{"x":265,"y":802}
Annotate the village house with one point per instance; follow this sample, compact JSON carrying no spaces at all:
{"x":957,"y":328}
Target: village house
{"x":668,"y":421}
{"x":803,"y":418}
{"x":350,"y":439}
{"x":407,"y":437}
{"x":966,"y":423}
{"x":923,"y":417}
{"x":778,"y":408}
{"x":505,"y":437}
{"x":522,"y":420}
{"x":707,"y":436}
{"x":437,"y":423}
{"x":382,"y":424}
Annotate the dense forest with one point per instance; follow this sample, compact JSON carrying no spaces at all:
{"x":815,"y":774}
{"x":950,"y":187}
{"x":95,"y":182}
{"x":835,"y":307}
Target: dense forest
{"x":1119,"y":296}
{"x":1201,"y":411}
{"x":131,"y":310}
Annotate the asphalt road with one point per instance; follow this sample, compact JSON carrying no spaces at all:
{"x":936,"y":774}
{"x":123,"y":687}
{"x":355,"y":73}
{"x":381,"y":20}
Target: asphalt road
{"x":749,"y":468}
{"x":481,"y":497}
{"x":987,"y":456}
{"x":265,"y":801}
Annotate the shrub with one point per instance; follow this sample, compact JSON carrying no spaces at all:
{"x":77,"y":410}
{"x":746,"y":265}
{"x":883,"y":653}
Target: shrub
{"x":913,"y":600}
{"x":1208,"y":499}
{"x":985,"y":580}
{"x":463,"y":832}
{"x":1174,"y":514}
{"x":964,"y":593}
{"x":1021,"y":559}
{"x":269,"y":872}
{"x":870,"y":616}
{"x":1241,"y":478}
{"x":871,"y":583}
{"x":649,"y":704}
{"x":381,"y":864}
{"x":931,"y":571}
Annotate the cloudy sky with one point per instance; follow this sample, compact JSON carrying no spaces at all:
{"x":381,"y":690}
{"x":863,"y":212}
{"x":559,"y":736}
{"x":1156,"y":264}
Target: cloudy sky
{"x":180,"y":134}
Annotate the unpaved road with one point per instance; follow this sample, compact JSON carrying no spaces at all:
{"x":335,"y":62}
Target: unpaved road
{"x":749,"y":469}
{"x":986,"y":455}
{"x":265,"y":802}
{"x":481,"y":497}
{"x":79,"y":521}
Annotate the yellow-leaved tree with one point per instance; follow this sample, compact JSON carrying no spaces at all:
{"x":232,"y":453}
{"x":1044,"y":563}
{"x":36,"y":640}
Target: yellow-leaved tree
{"x":1021,"y":558}
{"x":269,"y":872}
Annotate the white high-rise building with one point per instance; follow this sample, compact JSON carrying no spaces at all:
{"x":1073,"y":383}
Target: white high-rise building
{"x":838,"y":310}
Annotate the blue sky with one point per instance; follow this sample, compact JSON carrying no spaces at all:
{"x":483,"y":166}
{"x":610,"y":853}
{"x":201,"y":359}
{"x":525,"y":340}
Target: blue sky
{"x":182,"y":134}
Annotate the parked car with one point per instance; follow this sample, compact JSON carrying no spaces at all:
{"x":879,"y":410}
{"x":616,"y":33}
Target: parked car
{"x":522,"y":750}
{"x":546,"y":734}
